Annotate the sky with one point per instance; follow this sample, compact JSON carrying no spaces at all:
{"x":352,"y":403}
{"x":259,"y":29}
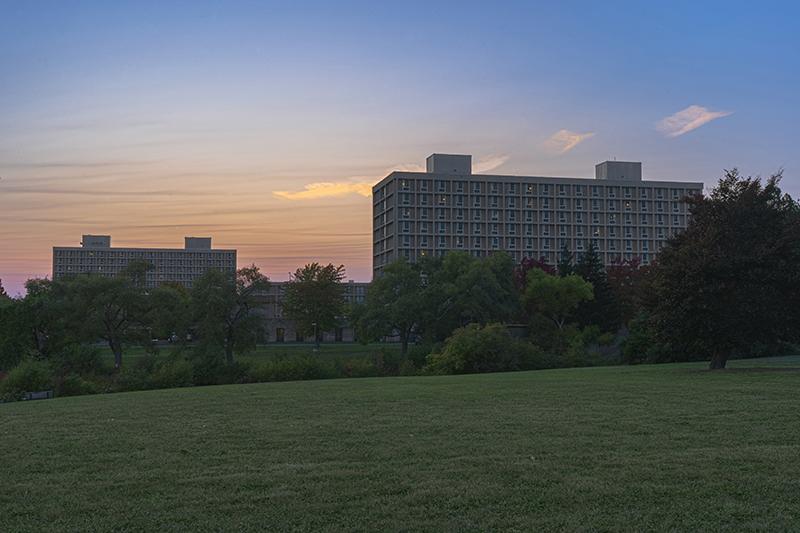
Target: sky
{"x":263,"y":124}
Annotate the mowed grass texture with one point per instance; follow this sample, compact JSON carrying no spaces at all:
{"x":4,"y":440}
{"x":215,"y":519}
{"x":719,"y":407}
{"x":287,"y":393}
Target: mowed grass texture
{"x":650,"y":448}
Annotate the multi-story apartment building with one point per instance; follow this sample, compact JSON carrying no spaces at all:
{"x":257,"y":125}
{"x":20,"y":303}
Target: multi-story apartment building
{"x":449,"y":208}
{"x":181,"y":265}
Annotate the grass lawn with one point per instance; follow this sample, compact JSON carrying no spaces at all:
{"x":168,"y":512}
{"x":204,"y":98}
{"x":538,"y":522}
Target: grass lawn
{"x":649,"y":448}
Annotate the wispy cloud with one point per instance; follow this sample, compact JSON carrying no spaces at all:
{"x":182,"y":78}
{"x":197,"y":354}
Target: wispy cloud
{"x":490,"y":162}
{"x":564,"y":140}
{"x":313,"y":191}
{"x":690,"y":118}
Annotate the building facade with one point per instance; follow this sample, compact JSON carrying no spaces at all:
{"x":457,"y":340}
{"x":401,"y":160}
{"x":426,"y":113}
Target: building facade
{"x":449,"y":208}
{"x":180,"y":265}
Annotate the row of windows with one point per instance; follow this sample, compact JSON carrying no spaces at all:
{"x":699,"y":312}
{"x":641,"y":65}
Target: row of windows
{"x":543,"y":189}
{"x":543,"y":203}
{"x":511,"y":229}
{"x":545,"y":243}
{"x":548,"y":256}
{"x":144,"y":255}
{"x":530,"y":216}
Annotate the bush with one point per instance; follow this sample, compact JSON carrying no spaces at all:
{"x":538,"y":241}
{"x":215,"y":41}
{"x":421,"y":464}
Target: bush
{"x":475,"y":349}
{"x":173,"y":374}
{"x":30,"y":375}
{"x":73,"y":385}
{"x":79,"y":358}
{"x":295,"y":368}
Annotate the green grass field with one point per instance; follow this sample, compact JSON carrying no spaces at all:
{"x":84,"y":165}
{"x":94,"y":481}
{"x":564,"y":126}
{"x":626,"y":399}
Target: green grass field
{"x":650,"y":448}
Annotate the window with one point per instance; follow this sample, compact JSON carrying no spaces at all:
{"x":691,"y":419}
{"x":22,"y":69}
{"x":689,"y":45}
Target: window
{"x":644,"y":205}
{"x":611,"y":205}
{"x":512,"y":202}
{"x":579,"y":190}
{"x":441,"y":214}
{"x":476,"y":202}
{"x":512,"y":188}
{"x":494,"y":229}
{"x":404,"y":185}
{"x":595,"y":204}
{"x":660,"y":220}
{"x":494,"y":214}
{"x":442,"y":200}
{"x":644,"y":219}
{"x":424,"y":241}
{"x":476,"y":187}
{"x":660,"y":207}
{"x":495,"y":242}
{"x":643,"y":193}
{"x":611,"y":192}
{"x":529,"y":189}
{"x":423,"y":227}
{"x":546,"y":190}
{"x":578,"y":204}
{"x":579,"y":244}
{"x":528,"y":243}
{"x":627,"y":206}
{"x":676,"y":207}
{"x":476,"y":229}
{"x":477,"y":215}
{"x":545,"y":230}
{"x":494,"y":188}
{"x":612,"y":231}
{"x":512,"y":243}
{"x":545,"y":216}
{"x":659,"y":192}
{"x":675,"y":194}
{"x":562,"y":203}
{"x":529,"y":216}
{"x":406,"y":198}
{"x":628,"y":218}
{"x":644,"y":233}
{"x":612,"y":244}
{"x":459,"y":214}
{"x":660,"y":233}
{"x":459,"y":186}
{"x":406,"y":226}
{"x":477,"y":242}
{"x":512,"y":215}
{"x":494,"y":201}
{"x":529,"y":229}
{"x":512,"y":229}
{"x":442,"y":242}
{"x":628,"y":245}
{"x":562,"y":190}
{"x":423,"y":199}
{"x":441,"y":227}
{"x":627,"y":192}
{"x":562,"y":216}
{"x":596,"y":231}
{"x":595,"y":190}
{"x":579,"y":231}
{"x":562,"y":230}
{"x":628,"y":232}
{"x":423,"y":212}
{"x":545,"y":203}
{"x":406,"y":240}
{"x":459,"y":227}
{"x":423,"y":185}
{"x":441,"y":185}
{"x":459,"y":200}
{"x":676,"y":220}
{"x":459,"y":242}
{"x":406,"y":213}
{"x":595,"y":218}
{"x":546,"y":243}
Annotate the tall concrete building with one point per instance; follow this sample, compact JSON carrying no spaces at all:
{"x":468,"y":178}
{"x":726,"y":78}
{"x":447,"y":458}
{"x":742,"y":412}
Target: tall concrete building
{"x":449,"y":208}
{"x":181,"y":265}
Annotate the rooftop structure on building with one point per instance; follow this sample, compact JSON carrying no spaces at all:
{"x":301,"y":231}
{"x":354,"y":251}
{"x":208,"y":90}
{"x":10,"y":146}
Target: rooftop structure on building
{"x":180,"y":265}
{"x":449,"y":208}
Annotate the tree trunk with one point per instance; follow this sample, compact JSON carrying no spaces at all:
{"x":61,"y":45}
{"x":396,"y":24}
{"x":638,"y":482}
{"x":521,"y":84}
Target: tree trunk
{"x":404,"y":343}
{"x":720,"y":357}
{"x":117,"y":349}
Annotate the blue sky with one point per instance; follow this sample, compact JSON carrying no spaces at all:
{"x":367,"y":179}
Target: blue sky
{"x":151,"y":121}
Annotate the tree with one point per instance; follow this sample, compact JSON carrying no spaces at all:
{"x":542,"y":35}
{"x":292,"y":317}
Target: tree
{"x":556,"y":297}
{"x":528,"y":263}
{"x":626,"y":278}
{"x":225,"y":306}
{"x":314,"y":299}
{"x":3,"y":295}
{"x":601,"y":310}
{"x":732,"y":279}
{"x":393,"y":305}
{"x":565,"y":267}
{"x":463,"y":290}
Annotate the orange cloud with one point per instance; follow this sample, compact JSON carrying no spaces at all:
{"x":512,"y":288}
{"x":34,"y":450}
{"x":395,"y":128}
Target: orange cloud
{"x":564,"y":140}
{"x":690,"y":118}
{"x":312,"y":191}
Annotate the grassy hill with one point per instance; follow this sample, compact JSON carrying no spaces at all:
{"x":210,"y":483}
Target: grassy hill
{"x":650,"y":448}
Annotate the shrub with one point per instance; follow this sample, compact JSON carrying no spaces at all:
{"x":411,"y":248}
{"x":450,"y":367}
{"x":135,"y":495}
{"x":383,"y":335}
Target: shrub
{"x":30,"y":375}
{"x":79,"y":358}
{"x":474,"y":349}
{"x":73,"y":385}
{"x":136,"y":377}
{"x":295,"y":368}
{"x":173,"y":374}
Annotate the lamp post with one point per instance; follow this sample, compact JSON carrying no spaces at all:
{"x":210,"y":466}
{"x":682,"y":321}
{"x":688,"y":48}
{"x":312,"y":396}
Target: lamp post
{"x":316,"y":342}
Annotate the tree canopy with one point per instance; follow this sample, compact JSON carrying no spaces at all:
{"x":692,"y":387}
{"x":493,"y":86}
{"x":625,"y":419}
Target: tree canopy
{"x":315,"y":296}
{"x":732,"y":278}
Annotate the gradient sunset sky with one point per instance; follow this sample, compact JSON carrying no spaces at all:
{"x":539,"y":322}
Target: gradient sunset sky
{"x":262,"y":124}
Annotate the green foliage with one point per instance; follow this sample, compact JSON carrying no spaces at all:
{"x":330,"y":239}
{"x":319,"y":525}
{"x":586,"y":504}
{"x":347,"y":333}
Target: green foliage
{"x":554,"y":297}
{"x":315,"y":296}
{"x":564,"y":266}
{"x":640,"y":344}
{"x":16,"y":337}
{"x":173,"y":374}
{"x":732,"y":279}
{"x":225,"y":307}
{"x":73,"y":385}
{"x":602,"y":310}
{"x":463,"y":290}
{"x":474,"y":349}
{"x":78,"y":358}
{"x":30,"y":375}
{"x":394,"y":305}
{"x":294,"y":368}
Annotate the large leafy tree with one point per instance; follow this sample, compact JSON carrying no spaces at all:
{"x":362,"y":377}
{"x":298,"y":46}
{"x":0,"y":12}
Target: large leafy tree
{"x":732,"y":278}
{"x":315,"y":296}
{"x":225,"y":306}
{"x":463,"y":290}
{"x":556,"y":297}
{"x":393,"y":305}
